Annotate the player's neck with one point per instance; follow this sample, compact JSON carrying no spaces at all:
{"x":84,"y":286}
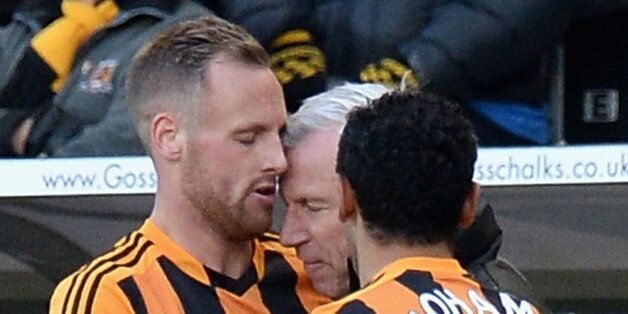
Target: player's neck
{"x":188,"y":228}
{"x":373,"y":256}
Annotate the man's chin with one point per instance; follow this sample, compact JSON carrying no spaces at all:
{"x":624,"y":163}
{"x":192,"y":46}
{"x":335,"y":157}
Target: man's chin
{"x":329,"y":287}
{"x":259,"y":226}
{"x":331,"y":291}
{"x":262,"y":210}
{"x":251,"y":228}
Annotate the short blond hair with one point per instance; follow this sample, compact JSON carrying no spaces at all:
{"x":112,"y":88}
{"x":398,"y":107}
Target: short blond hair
{"x":171,"y":67}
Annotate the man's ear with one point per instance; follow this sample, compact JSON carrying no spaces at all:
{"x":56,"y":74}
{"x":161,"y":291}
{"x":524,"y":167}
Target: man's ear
{"x":349,"y":201}
{"x":166,"y":135}
{"x":470,"y":206}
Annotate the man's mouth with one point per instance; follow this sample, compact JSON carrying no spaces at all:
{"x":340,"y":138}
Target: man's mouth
{"x":266,"y":192}
{"x":309,"y":262}
{"x":313,"y":266}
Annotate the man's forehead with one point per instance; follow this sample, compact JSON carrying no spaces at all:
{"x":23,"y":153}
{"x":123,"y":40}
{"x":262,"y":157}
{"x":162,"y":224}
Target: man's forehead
{"x":257,"y":104}
{"x":318,"y":187}
{"x":311,"y":166}
{"x":315,"y":147}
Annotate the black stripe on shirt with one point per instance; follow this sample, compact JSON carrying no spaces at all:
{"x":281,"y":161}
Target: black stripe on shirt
{"x":421,"y":282}
{"x":418,"y":281}
{"x":66,"y":300}
{"x":132,"y":292}
{"x":236,"y":286}
{"x":195,"y":297}
{"x":278,"y":286}
{"x":95,"y":285}
{"x":356,"y":307}
{"x":93,"y":267}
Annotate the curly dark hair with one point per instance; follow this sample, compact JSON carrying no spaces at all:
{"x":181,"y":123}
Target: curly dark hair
{"x":409,"y":157}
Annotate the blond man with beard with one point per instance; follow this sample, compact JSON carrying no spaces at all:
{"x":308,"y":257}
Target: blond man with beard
{"x":209,"y":110}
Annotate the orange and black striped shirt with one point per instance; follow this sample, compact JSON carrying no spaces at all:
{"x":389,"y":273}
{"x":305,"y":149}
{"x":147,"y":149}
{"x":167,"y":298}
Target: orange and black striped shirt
{"x":147,"y":272}
{"x":427,"y":285}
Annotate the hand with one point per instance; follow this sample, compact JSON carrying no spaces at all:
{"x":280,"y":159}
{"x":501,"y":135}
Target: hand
{"x":20,"y":136}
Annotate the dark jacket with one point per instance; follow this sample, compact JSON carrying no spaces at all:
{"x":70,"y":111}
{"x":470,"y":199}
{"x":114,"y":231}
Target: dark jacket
{"x":477,"y":249}
{"x":480,"y":52}
{"x":299,"y":63}
{"x":463,"y":49}
{"x":264,"y":19}
{"x":25,"y":78}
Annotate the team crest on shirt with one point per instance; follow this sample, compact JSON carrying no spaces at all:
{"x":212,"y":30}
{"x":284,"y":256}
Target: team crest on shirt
{"x":99,"y":77}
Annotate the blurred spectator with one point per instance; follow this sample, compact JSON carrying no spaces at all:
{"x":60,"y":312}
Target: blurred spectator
{"x":29,"y":18}
{"x":282,"y":27}
{"x":85,"y":54}
{"x":492,"y":56}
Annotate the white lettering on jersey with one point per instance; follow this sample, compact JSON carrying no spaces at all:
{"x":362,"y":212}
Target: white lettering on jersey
{"x":511,"y":306}
{"x":481,"y":304}
{"x":453,"y":302}
{"x":447,"y":302}
{"x":428,"y":300}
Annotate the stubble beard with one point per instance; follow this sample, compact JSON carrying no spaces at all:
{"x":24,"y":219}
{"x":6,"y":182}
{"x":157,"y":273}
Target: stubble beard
{"x":222,"y":206}
{"x":229,"y":217}
{"x":213,"y":207}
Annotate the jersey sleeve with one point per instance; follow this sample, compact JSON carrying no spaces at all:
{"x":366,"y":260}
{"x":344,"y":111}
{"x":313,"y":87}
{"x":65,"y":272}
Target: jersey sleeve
{"x":106,"y":298}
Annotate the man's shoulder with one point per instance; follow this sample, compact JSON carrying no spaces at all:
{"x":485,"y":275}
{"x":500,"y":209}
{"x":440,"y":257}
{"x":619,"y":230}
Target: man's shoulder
{"x":101,"y":278}
{"x":419,"y":291}
{"x":361,"y":301}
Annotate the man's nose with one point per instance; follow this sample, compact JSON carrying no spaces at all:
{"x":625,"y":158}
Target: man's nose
{"x":275,"y":160}
{"x":293,"y":230}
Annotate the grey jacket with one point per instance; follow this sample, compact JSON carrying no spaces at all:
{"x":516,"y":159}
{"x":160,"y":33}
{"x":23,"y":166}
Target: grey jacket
{"x":89,"y":116}
{"x":14,"y":39}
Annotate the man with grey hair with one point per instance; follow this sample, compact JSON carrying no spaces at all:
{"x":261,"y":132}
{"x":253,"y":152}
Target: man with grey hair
{"x":311,"y":189}
{"x":209,"y":110}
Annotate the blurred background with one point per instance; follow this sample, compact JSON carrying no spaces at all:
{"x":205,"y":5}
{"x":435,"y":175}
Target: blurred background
{"x":545,"y":84}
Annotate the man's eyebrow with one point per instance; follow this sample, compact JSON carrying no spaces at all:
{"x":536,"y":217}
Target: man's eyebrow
{"x":250,"y":128}
{"x":257,"y":127}
{"x":314,"y":199}
{"x":309,"y":199}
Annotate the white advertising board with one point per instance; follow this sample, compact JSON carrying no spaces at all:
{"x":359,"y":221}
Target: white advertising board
{"x":600,"y":164}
